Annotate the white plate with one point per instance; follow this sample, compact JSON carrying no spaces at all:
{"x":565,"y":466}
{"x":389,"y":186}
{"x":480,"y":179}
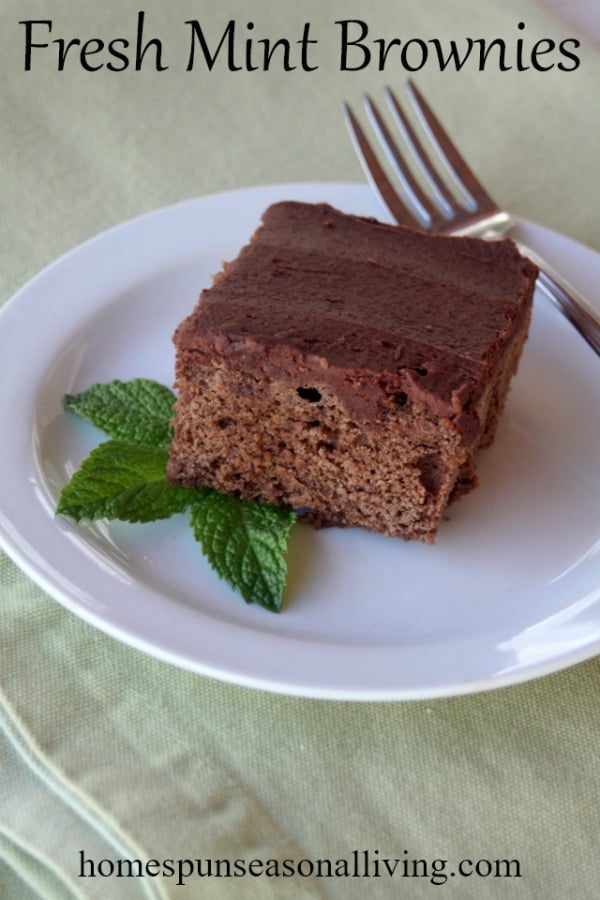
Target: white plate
{"x":511,"y":590}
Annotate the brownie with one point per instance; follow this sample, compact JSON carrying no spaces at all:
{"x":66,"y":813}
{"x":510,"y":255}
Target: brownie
{"x":349,"y":369}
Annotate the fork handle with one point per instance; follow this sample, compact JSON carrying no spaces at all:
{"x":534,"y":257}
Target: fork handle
{"x":567,"y":298}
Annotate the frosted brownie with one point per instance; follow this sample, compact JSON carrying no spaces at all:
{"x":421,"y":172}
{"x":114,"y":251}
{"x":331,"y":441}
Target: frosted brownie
{"x":349,"y":369}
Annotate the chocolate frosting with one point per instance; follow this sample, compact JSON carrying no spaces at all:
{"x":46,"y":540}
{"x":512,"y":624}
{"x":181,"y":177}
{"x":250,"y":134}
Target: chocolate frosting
{"x":344,"y":299}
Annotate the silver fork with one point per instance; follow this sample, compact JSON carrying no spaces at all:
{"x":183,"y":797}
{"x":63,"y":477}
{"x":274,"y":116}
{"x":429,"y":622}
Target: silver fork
{"x":437,"y":209}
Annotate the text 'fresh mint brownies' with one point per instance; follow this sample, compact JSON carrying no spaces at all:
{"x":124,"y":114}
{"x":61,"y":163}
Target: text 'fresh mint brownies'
{"x":349,"y":369}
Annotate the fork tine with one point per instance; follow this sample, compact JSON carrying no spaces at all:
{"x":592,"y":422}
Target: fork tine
{"x":420,"y":154}
{"x":427,"y":211}
{"x":455,"y":162}
{"x":378,"y":179}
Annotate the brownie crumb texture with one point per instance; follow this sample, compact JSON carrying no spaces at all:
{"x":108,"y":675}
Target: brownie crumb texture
{"x":327,"y":369}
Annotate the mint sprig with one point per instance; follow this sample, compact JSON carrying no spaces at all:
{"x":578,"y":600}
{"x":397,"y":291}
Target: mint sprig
{"x":244,"y":541}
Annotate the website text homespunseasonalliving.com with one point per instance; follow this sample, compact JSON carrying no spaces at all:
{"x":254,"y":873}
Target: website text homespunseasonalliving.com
{"x":371,"y":864}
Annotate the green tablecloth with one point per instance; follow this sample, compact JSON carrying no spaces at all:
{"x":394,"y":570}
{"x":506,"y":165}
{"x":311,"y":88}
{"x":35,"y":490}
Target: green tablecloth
{"x":119,"y":756}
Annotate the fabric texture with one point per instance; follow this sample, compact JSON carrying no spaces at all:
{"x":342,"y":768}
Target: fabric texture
{"x":112,"y":754}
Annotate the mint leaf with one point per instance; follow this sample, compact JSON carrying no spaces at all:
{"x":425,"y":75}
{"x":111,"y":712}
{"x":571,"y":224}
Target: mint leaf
{"x":122,"y":481}
{"x":245,"y":542}
{"x":138,"y":411}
